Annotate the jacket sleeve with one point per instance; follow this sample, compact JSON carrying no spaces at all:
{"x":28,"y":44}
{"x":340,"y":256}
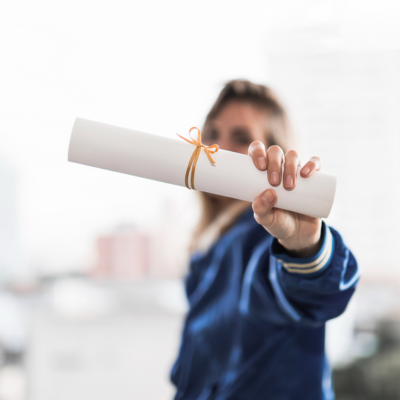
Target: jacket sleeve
{"x":309,"y":291}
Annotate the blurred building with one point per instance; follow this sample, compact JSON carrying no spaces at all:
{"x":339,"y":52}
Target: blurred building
{"x":131,"y":252}
{"x":169,"y":257}
{"x":123,"y":254}
{"x":12,"y":263}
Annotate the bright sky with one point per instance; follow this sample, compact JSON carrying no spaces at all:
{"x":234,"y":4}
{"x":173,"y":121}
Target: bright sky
{"x":154,"y":66}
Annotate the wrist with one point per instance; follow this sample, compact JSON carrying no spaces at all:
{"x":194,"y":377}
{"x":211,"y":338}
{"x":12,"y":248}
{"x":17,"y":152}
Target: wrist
{"x":304,"y":246}
{"x":300,"y":264}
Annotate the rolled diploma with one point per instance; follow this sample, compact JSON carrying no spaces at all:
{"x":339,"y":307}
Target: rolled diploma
{"x":165,"y":159}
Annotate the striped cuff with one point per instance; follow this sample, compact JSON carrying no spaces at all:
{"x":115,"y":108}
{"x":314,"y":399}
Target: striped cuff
{"x":308,"y":265}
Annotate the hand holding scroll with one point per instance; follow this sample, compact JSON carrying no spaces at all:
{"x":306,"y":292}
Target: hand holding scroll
{"x":232,"y":175}
{"x":298,"y":233}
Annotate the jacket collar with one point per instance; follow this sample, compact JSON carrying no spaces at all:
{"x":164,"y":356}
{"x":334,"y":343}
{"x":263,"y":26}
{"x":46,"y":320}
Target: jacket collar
{"x":237,"y":212}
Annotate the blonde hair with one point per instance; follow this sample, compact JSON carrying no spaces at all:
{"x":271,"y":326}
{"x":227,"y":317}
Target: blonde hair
{"x":277,"y":132}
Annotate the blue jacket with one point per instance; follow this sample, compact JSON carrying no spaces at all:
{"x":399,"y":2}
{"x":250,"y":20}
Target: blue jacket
{"x":255,"y":329}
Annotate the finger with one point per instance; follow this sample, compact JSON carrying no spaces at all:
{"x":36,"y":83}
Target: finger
{"x":292,"y":160}
{"x":262,"y":207}
{"x":274,"y":165}
{"x":310,"y":167}
{"x":257,"y":153}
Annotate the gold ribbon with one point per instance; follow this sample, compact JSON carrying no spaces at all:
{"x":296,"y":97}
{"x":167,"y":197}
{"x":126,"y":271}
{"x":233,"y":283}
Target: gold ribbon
{"x":195,"y":156}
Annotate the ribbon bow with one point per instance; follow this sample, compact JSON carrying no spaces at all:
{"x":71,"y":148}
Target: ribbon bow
{"x":195,"y":156}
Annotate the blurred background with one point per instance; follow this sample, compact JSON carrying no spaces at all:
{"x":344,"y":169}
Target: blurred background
{"x":92,"y":262}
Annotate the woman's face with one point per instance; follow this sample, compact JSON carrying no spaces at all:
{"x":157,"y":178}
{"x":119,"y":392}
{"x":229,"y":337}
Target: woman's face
{"x":235,"y":127}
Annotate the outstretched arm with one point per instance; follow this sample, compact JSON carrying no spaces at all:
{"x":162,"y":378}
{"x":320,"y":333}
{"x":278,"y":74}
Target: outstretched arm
{"x":312,"y":274}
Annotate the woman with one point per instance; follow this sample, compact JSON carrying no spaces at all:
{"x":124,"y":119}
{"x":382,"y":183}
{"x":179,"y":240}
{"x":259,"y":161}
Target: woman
{"x":263,"y":281}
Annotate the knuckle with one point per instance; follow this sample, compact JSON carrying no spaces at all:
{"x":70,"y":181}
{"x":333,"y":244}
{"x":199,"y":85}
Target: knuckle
{"x":292,"y":154}
{"x":264,"y":219}
{"x":275,"y":149}
{"x":273,"y":225}
{"x":256,"y":145}
{"x":257,"y":207}
{"x":274,"y":165}
{"x":290,"y":170}
{"x":290,"y":165}
{"x":312,"y":164}
{"x":258,"y":218}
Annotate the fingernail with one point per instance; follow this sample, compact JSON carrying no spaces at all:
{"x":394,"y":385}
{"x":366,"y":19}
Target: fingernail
{"x":306,"y":171}
{"x":275,"y":178}
{"x":289,"y":181}
{"x":262,"y":164}
{"x":268,"y":197}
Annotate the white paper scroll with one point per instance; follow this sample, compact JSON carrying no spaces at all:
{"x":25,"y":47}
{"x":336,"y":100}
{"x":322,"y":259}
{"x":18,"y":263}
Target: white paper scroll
{"x":166,"y":159}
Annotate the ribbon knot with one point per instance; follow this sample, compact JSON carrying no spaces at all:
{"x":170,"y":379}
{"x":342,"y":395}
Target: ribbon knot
{"x":195,"y":156}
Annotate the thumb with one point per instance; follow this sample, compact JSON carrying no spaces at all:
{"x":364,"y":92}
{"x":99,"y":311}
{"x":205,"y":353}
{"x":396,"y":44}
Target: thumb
{"x":263,"y":208}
